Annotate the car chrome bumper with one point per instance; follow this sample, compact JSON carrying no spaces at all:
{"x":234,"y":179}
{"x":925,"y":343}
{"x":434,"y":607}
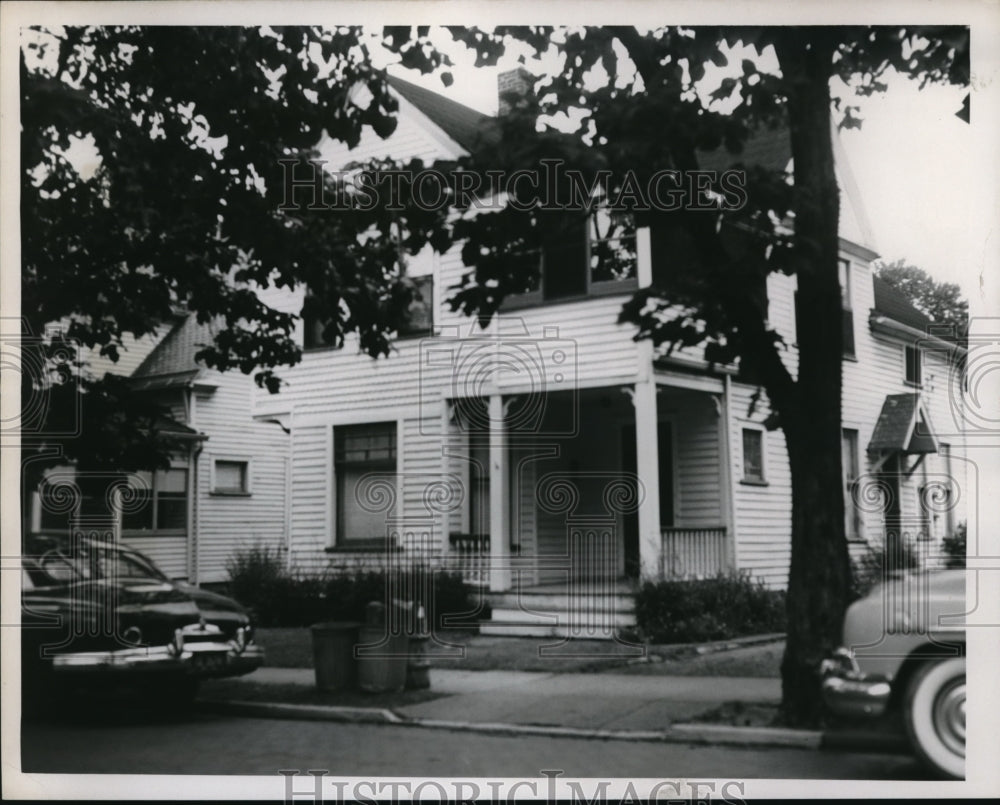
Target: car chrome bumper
{"x":201,"y":657}
{"x":849,"y":692}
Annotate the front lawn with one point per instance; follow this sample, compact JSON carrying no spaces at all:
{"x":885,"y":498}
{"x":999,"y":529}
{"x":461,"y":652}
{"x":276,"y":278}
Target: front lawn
{"x":292,"y":648}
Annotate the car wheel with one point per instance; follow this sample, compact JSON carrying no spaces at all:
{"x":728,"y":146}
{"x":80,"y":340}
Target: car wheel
{"x":934,"y":710}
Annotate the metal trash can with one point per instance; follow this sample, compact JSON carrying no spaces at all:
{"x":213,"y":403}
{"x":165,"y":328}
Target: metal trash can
{"x":333,"y":654}
{"x":383,"y":652}
{"x":419,"y":665}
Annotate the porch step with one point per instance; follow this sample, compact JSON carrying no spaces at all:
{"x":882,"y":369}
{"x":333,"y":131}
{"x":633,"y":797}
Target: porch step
{"x":528,"y":630}
{"x":557,"y":602}
{"x":543,"y":613}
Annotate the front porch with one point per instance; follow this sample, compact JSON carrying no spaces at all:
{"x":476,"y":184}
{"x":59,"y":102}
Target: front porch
{"x":603,"y":487}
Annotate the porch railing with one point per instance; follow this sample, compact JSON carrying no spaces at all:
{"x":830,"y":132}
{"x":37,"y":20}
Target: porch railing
{"x":693,"y":552}
{"x":469,"y":555}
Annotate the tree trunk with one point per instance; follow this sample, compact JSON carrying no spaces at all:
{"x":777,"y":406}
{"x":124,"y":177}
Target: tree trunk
{"x":819,"y":576}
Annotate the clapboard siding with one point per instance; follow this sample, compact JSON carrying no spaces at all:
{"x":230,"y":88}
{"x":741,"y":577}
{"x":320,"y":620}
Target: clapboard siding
{"x":227,"y":524}
{"x":763,"y":514}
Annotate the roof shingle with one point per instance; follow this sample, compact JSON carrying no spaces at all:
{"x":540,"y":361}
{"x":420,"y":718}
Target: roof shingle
{"x":892,"y":303}
{"x":465,"y":126}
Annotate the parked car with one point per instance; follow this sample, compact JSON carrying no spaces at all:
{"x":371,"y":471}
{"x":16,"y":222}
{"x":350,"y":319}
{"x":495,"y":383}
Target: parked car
{"x":103,"y":614}
{"x":904,"y":651}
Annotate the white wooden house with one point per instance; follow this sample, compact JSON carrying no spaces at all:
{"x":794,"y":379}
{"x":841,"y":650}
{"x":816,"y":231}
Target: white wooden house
{"x":225,"y":492}
{"x":551,"y":458}
{"x":511,"y":452}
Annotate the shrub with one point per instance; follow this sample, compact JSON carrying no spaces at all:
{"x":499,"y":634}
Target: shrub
{"x":883,"y":561}
{"x":277,"y":597}
{"x":719,"y":608}
{"x":955,"y":547}
{"x":258,"y":580}
{"x":447,"y":599}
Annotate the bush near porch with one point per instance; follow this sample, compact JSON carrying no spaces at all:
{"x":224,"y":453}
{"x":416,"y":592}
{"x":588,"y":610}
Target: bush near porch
{"x":699,"y":610}
{"x":259,"y":580}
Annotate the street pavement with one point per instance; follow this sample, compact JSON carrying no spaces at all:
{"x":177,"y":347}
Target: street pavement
{"x":545,"y":719}
{"x":201,"y":743}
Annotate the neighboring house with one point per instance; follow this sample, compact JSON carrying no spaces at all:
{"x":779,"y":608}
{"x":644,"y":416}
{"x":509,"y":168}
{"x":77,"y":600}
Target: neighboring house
{"x":227,"y":491}
{"x":509,"y":453}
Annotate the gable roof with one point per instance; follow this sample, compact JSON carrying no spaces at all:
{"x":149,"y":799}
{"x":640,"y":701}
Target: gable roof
{"x":465,"y":126}
{"x":903,"y":426}
{"x":174,"y":355}
{"x":893,"y":304}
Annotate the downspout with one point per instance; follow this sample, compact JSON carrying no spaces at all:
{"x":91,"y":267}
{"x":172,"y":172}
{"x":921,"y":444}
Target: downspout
{"x":193,"y":508}
{"x":727,"y":469}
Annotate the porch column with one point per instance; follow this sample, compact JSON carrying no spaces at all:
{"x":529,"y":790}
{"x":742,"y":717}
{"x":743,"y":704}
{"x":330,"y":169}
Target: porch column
{"x":646,"y":437}
{"x":648,"y":470}
{"x":499,"y":498}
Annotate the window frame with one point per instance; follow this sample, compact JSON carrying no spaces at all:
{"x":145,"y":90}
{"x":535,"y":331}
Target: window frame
{"x":154,"y":500}
{"x":918,"y":363}
{"x":852,"y":513}
{"x":593,"y":288}
{"x":247,"y":488}
{"x":429,"y":300}
{"x":747,"y":479}
{"x":849,"y":350}
{"x":388,"y":467}
{"x":847,"y":307}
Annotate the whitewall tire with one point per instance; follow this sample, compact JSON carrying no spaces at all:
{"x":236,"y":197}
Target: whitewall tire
{"x":934,"y":710}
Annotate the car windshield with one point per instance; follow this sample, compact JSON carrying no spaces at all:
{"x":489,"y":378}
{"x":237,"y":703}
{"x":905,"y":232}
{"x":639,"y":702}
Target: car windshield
{"x":65,"y":567}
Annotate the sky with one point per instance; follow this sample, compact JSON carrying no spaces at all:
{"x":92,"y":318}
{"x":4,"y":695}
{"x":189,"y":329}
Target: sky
{"x":918,"y":168}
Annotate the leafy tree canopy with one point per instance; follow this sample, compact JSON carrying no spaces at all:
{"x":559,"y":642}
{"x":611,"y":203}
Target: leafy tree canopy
{"x":941,"y":301}
{"x":153,"y":183}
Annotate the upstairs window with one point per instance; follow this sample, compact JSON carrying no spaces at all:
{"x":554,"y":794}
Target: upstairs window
{"x":850,"y":465}
{"x":753,"y":456}
{"x":583,"y":255}
{"x":911,"y":360}
{"x":846,"y":311}
{"x":419,"y":316}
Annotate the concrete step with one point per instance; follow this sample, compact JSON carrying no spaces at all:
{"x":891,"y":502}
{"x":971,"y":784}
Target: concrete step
{"x":581,"y":617}
{"x":562,"y":602}
{"x":534,"y":630}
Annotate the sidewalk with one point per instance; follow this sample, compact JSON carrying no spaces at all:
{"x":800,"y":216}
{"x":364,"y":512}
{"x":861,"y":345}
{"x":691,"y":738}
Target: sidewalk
{"x":584,"y":701}
{"x":606,"y":706}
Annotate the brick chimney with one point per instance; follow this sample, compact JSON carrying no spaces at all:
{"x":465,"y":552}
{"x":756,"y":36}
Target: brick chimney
{"x":513,"y":82}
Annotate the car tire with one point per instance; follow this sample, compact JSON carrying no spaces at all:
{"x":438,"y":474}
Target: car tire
{"x":934,"y":712}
